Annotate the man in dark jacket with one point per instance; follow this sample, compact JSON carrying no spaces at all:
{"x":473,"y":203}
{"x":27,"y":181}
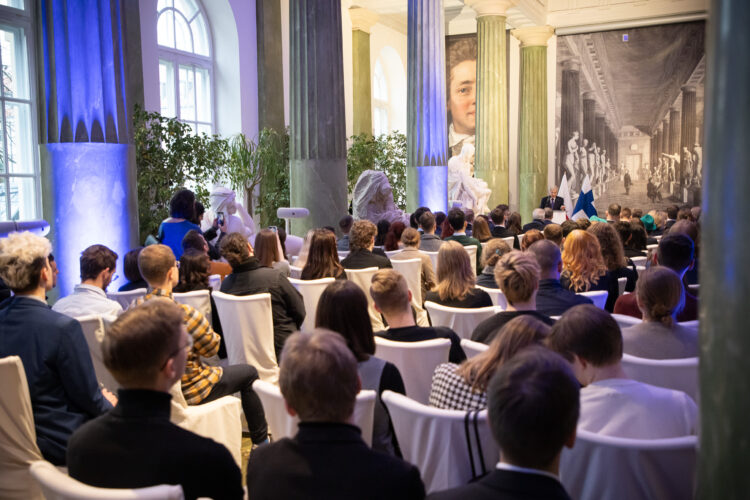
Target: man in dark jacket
{"x":361,"y":243}
{"x":551,"y":298}
{"x":249,"y":278}
{"x":457,"y":220}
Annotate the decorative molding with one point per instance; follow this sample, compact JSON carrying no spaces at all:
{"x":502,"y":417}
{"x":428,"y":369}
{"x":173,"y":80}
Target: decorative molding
{"x":533,"y":35}
{"x":491,"y":7}
{"x":362,"y":19}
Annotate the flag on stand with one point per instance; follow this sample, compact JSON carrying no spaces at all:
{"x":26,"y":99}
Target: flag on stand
{"x":565,"y":195}
{"x":585,"y":204}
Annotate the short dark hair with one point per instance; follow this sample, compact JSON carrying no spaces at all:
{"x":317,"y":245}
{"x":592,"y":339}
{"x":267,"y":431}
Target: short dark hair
{"x":439,"y":218}
{"x":96,"y":259}
{"x":342,"y":307}
{"x":456,"y":218}
{"x":193,"y":240}
{"x":548,"y":213}
{"x":498,"y":215}
{"x":672,"y":211}
{"x":626,"y":212}
{"x":553,"y":233}
{"x":676,"y":251}
{"x":588,"y":332}
{"x":345,"y":223}
{"x":194,"y":271}
{"x":614,"y":209}
{"x":637,"y":213}
{"x":568,"y":227}
{"x":233,"y":247}
{"x":427,"y":221}
{"x":414,"y":218}
{"x":182,"y":205}
{"x":130,"y":265}
{"x":533,"y":403}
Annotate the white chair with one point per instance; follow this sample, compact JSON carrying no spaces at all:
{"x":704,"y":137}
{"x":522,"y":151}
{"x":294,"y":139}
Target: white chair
{"x":411,"y":269}
{"x":599,"y":297}
{"x":510,"y":241}
{"x":214,"y":281}
{"x":311,"y":290}
{"x":391,"y":253}
{"x":57,"y":485}
{"x":677,"y":374}
{"x":472,"y":251}
{"x":294,"y":272}
{"x":639,"y":261}
{"x":126,"y":298}
{"x":472,"y":348}
{"x":343,"y":254}
{"x":438,"y":442}
{"x":614,"y":468}
{"x":363,"y":279}
{"x":640,"y":269}
{"x":461,"y":320}
{"x":18,"y":448}
{"x":621,"y":284}
{"x":652,"y":247}
{"x":694,"y":324}
{"x":497,"y":296}
{"x":248,"y":332}
{"x":93,"y":331}
{"x":416,"y":361}
{"x":484,"y":245}
{"x":433,"y":257}
{"x":625,"y":321}
{"x":281,"y":424}
{"x":198,"y":299}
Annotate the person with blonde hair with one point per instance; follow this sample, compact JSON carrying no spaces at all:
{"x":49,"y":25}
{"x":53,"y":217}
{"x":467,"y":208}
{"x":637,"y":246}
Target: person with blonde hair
{"x":493,"y":250}
{"x":517,"y":275}
{"x":660,"y":296}
{"x":410,"y":241}
{"x":456,"y":282}
{"x":584,"y":269}
{"x":464,"y":386}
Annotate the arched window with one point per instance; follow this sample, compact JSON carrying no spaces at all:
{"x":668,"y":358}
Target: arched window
{"x":379,"y":101}
{"x":185,"y":64}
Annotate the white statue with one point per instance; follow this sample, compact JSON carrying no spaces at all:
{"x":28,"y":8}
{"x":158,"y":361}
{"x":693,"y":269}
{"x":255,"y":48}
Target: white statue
{"x":237,"y":220}
{"x":373,"y":199}
{"x":463,"y":187}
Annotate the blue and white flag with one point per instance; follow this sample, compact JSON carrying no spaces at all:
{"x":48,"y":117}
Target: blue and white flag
{"x":585,"y":204}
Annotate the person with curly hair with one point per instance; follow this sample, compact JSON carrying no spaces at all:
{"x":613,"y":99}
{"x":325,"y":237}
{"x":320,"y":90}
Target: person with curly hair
{"x":584,"y":269}
{"x":361,"y":245}
{"x":613,"y":253}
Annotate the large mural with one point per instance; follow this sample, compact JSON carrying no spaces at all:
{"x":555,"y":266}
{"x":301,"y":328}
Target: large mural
{"x":629,"y":114}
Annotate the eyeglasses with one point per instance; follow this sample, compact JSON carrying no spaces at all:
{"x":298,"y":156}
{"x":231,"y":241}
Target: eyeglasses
{"x":175,"y":353}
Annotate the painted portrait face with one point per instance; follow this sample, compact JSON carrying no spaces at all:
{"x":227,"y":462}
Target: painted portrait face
{"x":462,"y":98}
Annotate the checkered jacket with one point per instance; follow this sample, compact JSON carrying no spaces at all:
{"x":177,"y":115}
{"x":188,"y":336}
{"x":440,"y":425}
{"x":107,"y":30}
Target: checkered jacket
{"x":450,"y":391}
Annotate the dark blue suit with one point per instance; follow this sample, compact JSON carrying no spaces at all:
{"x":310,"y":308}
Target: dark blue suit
{"x":553,"y":300}
{"x":554,"y":205}
{"x":62,"y":384}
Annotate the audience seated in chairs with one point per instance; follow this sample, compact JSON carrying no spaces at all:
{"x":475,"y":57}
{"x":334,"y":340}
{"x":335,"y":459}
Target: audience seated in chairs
{"x":361,"y":244}
{"x":551,"y":298}
{"x":584,"y":269}
{"x":517,"y":274}
{"x":393,"y":236}
{"x":464,"y":386}
{"x":322,"y":258}
{"x":457,"y":221}
{"x":327,"y":458}
{"x":537,"y":216}
{"x":343,"y":309}
{"x":202,"y":383}
{"x":269,"y":252}
{"x":481,"y":229}
{"x":131,"y":271}
{"x":410,"y":243}
{"x":181,"y":215}
{"x":493,"y":250}
{"x":691,"y":230}
{"x":456,"y":280}
{"x":195,"y":241}
{"x":249,"y":277}
{"x":633,"y":238}
{"x":98,"y":265}
{"x":613,"y":254}
{"x":611,"y":403}
{"x":500,"y":216}
{"x":135,"y":445}
{"x":429,"y":242}
{"x":62,"y":383}
{"x":533,"y":410}
{"x":660,"y":296}
{"x":530,"y":237}
{"x":392,"y":298}
{"x":553,"y":233}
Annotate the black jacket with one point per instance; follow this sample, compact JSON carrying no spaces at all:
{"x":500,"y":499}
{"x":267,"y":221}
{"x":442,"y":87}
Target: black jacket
{"x":419,"y":333}
{"x":553,"y":300}
{"x":534,"y":224}
{"x":363,"y":258}
{"x":503,"y":232}
{"x":489,"y":328}
{"x":507,"y":485}
{"x":288,"y":309}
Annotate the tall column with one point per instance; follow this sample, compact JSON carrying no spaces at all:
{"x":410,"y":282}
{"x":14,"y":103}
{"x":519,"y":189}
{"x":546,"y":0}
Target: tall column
{"x":724,"y":266}
{"x":90,"y":83}
{"x":570,"y":110}
{"x":317,"y":140}
{"x":362,"y":21}
{"x":589,"y":116}
{"x":688,"y":123}
{"x":427,"y":131}
{"x":665,"y":140}
{"x":674,"y":131}
{"x":532,"y":133}
{"x":270,"y":71}
{"x":599,"y":131}
{"x":659,"y":139}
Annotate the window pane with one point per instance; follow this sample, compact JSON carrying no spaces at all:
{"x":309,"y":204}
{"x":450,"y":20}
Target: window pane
{"x":163,"y":4}
{"x":204,"y":129}
{"x":18,"y":137}
{"x":15,"y":65}
{"x":3,"y":201}
{"x":200,"y":36}
{"x":187,"y":93}
{"x":187,"y":7}
{"x":18,"y":4}
{"x":165,"y":29}
{"x":166,"y":88}
{"x":184,"y":38}
{"x":203,"y":94}
{"x":192,"y":127}
{"x":22,"y":198}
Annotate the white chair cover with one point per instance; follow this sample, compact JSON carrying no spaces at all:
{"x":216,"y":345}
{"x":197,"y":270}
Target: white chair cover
{"x":248,"y":332}
{"x":614,"y":468}
{"x":624,"y":321}
{"x":281,"y":424}
{"x":691,"y":324}
{"x":18,"y":447}
{"x":199,"y":299}
{"x":126,"y":298}
{"x":639,"y":261}
{"x":343,"y":254}
{"x":411,"y":269}
{"x":433,"y":257}
{"x":59,"y":486}
{"x":472,"y":251}
{"x":93,"y":331}
{"x":472,"y":348}
{"x":598,"y":296}
{"x":621,"y":284}
{"x":461,"y":320}
{"x":678,"y":374}
{"x":311,"y":290}
{"x":214,"y":281}
{"x":510,"y":241}
{"x":442,"y":443}
{"x":294,"y":272}
{"x":416,"y":361}
{"x":652,"y":247}
{"x":363,"y":279}
{"x":220,"y":420}
{"x":391,"y":253}
{"x":497,"y":296}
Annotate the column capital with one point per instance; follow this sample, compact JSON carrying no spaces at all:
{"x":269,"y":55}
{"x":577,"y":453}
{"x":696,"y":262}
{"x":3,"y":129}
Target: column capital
{"x":589,"y":96}
{"x":533,"y":36}
{"x":490,"y":7}
{"x":572,"y":64}
{"x":688,"y":88}
{"x":362,"y":19}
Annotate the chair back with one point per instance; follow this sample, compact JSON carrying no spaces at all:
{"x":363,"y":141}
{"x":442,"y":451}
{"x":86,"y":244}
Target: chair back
{"x":214,"y":281}
{"x":622,"y":469}
{"x":18,"y":448}
{"x":411,"y":269}
{"x":497,"y":296}
{"x":363,"y":279}
{"x":624,"y":321}
{"x":433,"y":257}
{"x":621,"y":284}
{"x":472,"y":251}
{"x":199,"y":300}
{"x":639,"y":261}
{"x":248,"y":332}
{"x":677,"y":374}
{"x":93,"y":331}
{"x":416,"y":361}
{"x":126,"y":298}
{"x":694,"y":324}
{"x":472,"y":348}
{"x":343,"y":254}
{"x":599,"y":297}
{"x":57,"y":485}
{"x":450,"y":447}
{"x":510,"y":240}
{"x":461,"y":320}
{"x":311,"y":290}
{"x":652,"y":247}
{"x":294,"y":272}
{"x":281,"y":424}
{"x":391,"y":253}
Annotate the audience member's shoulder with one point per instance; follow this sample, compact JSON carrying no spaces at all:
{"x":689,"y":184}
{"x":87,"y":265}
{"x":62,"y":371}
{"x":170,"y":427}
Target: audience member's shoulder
{"x":443,"y":332}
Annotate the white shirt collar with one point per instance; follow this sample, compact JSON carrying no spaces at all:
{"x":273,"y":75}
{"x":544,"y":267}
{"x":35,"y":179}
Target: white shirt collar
{"x":506,"y":466}
{"x":81,"y":288}
{"x":459,"y":233}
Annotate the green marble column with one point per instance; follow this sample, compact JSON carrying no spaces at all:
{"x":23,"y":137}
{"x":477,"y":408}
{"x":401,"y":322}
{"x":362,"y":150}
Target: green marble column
{"x":532,"y":128}
{"x":362,"y":21}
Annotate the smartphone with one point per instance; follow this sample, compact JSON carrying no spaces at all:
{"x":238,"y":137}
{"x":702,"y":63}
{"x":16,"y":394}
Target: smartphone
{"x":220,"y":217}
{"x":273,"y":228}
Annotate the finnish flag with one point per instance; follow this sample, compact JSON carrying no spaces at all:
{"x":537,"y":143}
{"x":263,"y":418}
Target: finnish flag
{"x":585,"y":204}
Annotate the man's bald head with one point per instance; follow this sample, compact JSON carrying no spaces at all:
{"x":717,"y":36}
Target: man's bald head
{"x":548,"y":257}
